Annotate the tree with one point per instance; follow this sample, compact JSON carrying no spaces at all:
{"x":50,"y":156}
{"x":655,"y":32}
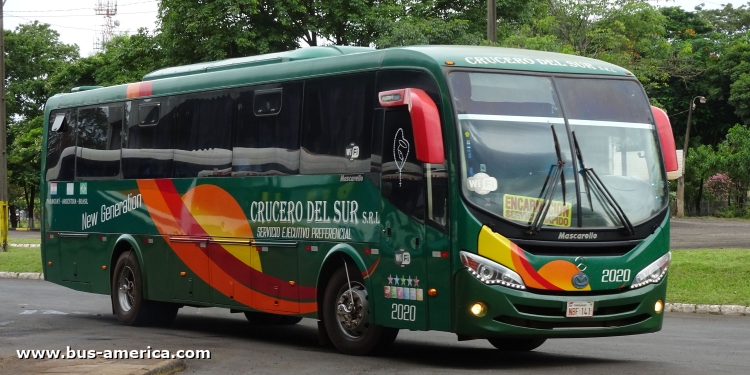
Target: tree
{"x":33,"y":53}
{"x":734,"y":159}
{"x":24,"y":161}
{"x":700,"y":165}
{"x":194,"y":31}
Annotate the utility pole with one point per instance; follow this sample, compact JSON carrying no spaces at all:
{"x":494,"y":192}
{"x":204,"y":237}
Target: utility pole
{"x":3,"y":143}
{"x":681,"y":181}
{"x":492,"y":21}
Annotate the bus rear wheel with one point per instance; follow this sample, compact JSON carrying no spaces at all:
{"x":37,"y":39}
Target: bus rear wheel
{"x":127,"y":296}
{"x":346,"y":316}
{"x":516,"y":345}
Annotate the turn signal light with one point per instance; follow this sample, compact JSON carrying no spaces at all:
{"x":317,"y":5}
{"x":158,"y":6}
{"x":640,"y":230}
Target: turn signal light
{"x":479,"y":309}
{"x":49,"y":263}
{"x":183,"y":273}
{"x":432,"y":292}
{"x":104,"y":267}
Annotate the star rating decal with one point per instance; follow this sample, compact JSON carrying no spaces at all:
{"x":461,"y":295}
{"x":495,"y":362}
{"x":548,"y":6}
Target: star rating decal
{"x":403,"y":280}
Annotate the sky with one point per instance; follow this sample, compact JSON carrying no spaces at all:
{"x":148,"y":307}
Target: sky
{"x":77,"y":22}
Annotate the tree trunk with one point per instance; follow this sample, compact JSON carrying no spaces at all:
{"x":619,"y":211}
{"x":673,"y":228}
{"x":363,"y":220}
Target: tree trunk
{"x":13,"y":216}
{"x":698,"y":201}
{"x":31,"y":206}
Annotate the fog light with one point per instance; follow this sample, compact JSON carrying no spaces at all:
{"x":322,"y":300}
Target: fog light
{"x":659,"y":306}
{"x":479,"y":309}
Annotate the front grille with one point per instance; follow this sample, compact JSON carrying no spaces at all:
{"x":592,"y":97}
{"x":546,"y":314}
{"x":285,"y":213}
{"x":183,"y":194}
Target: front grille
{"x":559,"y":311}
{"x":567,"y":324}
{"x":600,"y":249}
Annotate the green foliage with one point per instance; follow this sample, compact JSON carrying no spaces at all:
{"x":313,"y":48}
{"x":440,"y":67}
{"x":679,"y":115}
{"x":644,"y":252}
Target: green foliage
{"x":734,"y":159}
{"x":33,"y":52}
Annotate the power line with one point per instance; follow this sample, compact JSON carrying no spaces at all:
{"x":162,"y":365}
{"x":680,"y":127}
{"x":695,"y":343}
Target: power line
{"x":69,"y":10}
{"x":51,"y":24}
{"x":80,"y":15}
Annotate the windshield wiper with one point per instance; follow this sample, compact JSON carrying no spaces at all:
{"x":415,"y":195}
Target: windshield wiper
{"x":556,"y":174}
{"x":590,"y":174}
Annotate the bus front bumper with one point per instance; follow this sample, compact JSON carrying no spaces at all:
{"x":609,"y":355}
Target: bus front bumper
{"x":513,"y":313}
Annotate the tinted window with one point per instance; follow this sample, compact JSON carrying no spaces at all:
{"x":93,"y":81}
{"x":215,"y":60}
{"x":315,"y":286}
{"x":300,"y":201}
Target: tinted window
{"x":203,"y":135}
{"x":591,"y":99}
{"x":267,"y":131}
{"x":98,"y":152}
{"x":149,"y":150}
{"x":60,"y":160}
{"x":402,"y":179}
{"x":503,"y":94}
{"x":337,"y":125}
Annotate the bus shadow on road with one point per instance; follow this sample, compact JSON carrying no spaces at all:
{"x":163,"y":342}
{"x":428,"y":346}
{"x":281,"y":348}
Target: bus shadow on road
{"x":472,"y":358}
{"x":407,"y":349}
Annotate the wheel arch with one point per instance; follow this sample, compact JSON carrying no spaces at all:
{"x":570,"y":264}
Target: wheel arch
{"x":123,"y":244}
{"x":331,"y":263}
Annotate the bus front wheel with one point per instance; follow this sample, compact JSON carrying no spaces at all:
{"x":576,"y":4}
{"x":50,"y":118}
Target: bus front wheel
{"x":517,"y":345}
{"x":127,"y":296}
{"x":346,"y":316}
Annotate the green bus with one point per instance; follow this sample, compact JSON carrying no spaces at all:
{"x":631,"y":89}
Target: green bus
{"x":501,"y":194}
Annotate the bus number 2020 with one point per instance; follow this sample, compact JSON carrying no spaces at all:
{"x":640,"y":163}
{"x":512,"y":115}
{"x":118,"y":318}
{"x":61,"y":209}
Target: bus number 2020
{"x":403,"y":312}
{"x":616,"y":276}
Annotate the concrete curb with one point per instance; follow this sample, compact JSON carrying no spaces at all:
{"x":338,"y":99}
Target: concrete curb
{"x":22,"y":275}
{"x":167,"y":367}
{"x":736,"y":310}
{"x":690,"y":308}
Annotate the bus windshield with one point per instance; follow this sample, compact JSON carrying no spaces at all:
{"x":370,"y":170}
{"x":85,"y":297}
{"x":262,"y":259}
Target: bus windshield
{"x":511,"y":124}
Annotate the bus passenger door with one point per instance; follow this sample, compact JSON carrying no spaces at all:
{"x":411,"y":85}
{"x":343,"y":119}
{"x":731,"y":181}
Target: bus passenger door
{"x":400,"y":281}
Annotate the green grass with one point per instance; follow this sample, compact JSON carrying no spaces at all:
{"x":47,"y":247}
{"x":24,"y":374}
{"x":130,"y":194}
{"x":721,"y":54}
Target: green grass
{"x":21,"y":259}
{"x":24,"y":240}
{"x":708,"y":276}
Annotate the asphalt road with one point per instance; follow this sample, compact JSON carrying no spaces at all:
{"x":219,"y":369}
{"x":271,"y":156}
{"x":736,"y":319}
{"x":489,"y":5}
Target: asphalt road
{"x":709,"y":233}
{"x":41,"y":315}
{"x":24,"y":234}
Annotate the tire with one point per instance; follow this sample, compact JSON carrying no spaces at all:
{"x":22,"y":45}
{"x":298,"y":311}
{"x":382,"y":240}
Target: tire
{"x":127,"y":296}
{"x":516,"y":345}
{"x":348,"y":326}
{"x":261,"y":318}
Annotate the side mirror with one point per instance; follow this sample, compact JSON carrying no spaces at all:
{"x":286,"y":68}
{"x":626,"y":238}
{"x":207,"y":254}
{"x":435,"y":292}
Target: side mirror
{"x":425,"y":120}
{"x":666,"y":138}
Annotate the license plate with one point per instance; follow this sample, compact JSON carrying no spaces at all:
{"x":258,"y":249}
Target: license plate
{"x":579,"y":309}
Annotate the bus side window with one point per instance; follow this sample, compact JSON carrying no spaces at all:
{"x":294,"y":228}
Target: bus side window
{"x":337,"y":124}
{"x":61,"y":145}
{"x":267,"y":131}
{"x":148,"y":150}
{"x":203,"y":135}
{"x":98,"y":151}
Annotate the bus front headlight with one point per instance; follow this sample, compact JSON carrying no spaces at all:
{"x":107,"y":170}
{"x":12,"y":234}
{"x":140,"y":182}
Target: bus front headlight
{"x":491,"y":273}
{"x":653,"y":273}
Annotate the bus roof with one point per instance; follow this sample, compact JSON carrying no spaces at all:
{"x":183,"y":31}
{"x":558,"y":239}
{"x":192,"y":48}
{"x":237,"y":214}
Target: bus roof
{"x":320,"y":61}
